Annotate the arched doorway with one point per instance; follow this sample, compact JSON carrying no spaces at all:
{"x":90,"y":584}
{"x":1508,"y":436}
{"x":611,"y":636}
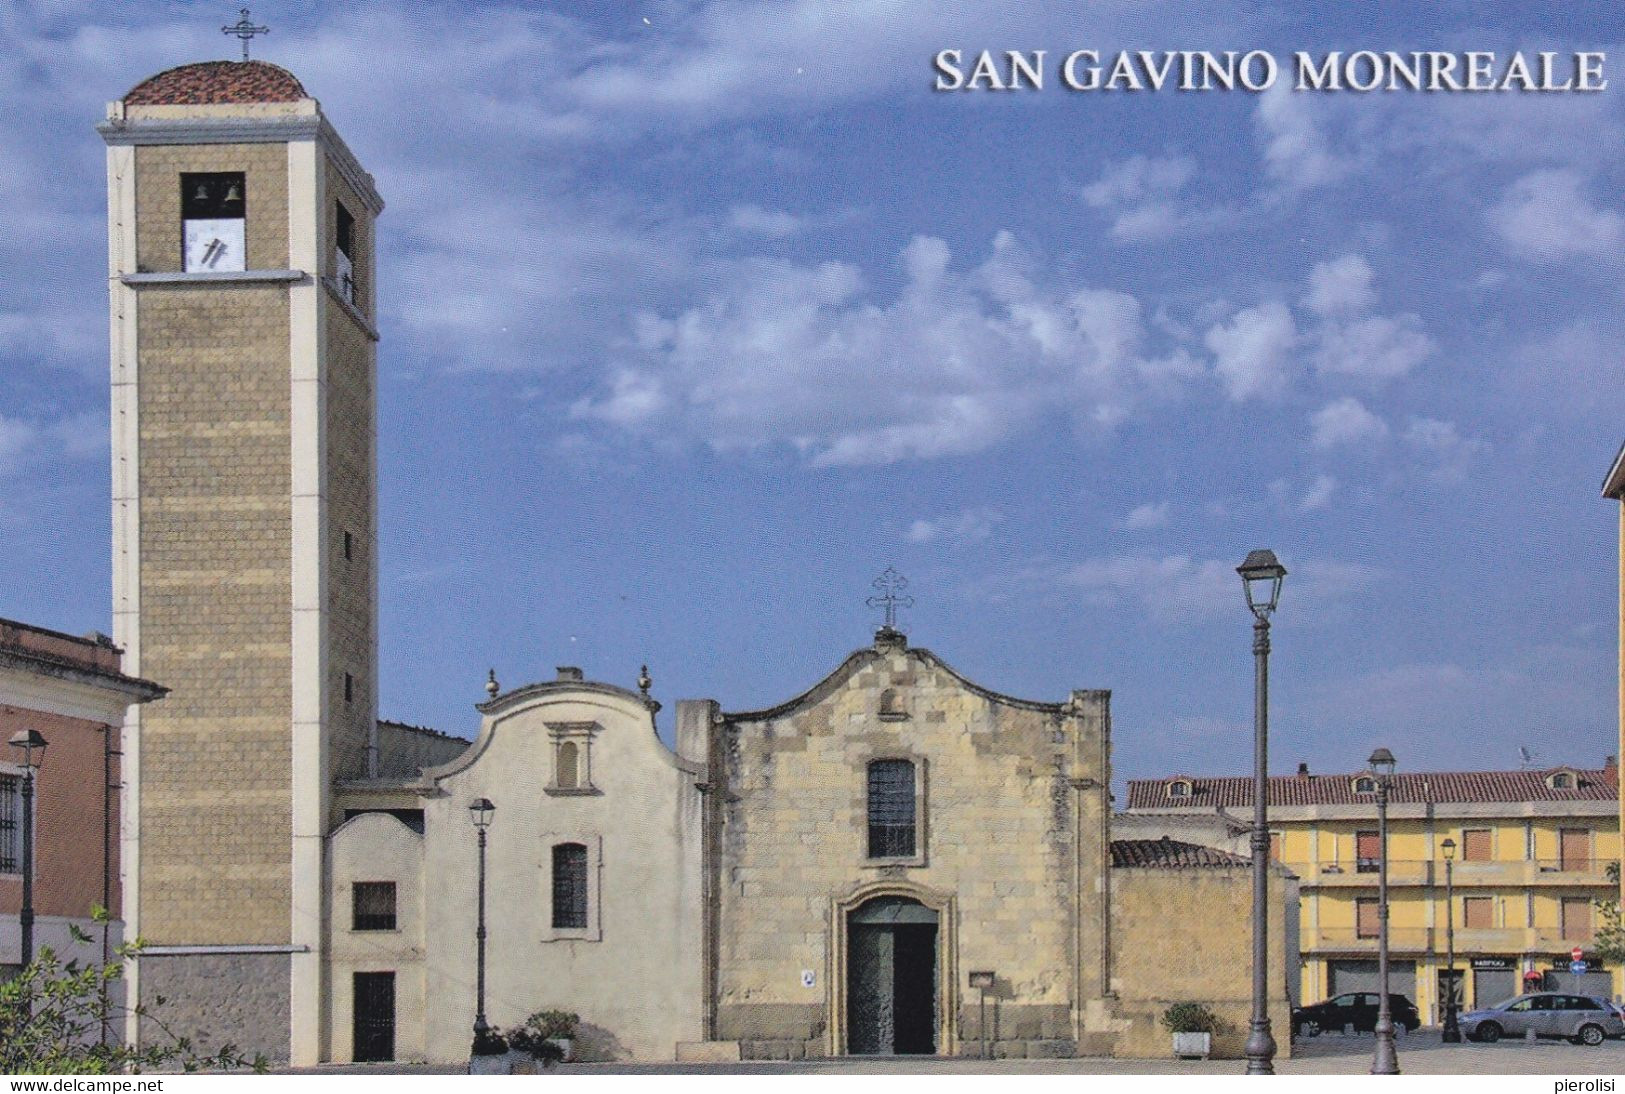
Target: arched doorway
{"x":891,"y":978}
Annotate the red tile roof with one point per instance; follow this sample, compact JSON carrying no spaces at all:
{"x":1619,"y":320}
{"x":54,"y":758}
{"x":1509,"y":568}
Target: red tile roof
{"x":212,"y":82}
{"x":1170,"y":853}
{"x":1591,"y":784}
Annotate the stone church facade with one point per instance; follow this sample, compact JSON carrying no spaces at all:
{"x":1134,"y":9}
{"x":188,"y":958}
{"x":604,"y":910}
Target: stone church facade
{"x":897,"y":861}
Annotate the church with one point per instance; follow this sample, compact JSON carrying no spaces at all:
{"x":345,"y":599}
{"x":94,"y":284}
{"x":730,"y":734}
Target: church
{"x":898,"y":861}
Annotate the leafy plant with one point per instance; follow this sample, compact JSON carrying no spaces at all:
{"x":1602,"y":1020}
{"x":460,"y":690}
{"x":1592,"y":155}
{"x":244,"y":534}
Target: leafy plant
{"x":54,"y":1015}
{"x":1608,"y":943}
{"x":559,"y":1025}
{"x":491,"y":1042}
{"x":1189,"y":1018}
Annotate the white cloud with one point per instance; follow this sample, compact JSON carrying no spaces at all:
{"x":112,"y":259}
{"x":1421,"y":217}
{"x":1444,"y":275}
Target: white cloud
{"x":1452,"y":455}
{"x":968,"y":524}
{"x":1546,"y":217}
{"x":954,"y":364}
{"x":1319,"y":494}
{"x":1143,"y":197}
{"x":1252,"y":351}
{"x":1345,"y":421}
{"x":1378,"y":347}
{"x":1297,"y":153}
{"x":767,"y":223}
{"x":1342,"y":286}
{"x":1146,"y":516}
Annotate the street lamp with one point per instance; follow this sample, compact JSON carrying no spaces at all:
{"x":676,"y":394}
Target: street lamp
{"x":479,"y":811}
{"x":1385,"y":1061}
{"x":31,"y":742}
{"x":1452,"y":1031}
{"x":1261,"y":576}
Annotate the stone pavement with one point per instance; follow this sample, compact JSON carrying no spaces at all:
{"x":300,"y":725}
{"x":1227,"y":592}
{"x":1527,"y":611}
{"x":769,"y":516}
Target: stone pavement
{"x":1421,"y":1053}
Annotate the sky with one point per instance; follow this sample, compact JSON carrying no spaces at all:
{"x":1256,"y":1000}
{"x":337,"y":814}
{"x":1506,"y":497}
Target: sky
{"x":697,"y":316}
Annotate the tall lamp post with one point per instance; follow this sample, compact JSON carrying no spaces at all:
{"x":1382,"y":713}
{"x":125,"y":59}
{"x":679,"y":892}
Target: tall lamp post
{"x":479,"y":811}
{"x":32,"y":743}
{"x":1261,"y":576}
{"x":1386,"y":1060}
{"x":1452,"y":1031}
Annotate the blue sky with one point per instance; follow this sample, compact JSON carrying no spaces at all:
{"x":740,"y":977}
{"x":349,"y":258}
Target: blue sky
{"x":698,"y":315}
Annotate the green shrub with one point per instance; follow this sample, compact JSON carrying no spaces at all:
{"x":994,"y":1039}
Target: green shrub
{"x":557,"y":1025}
{"x":1189,"y":1018}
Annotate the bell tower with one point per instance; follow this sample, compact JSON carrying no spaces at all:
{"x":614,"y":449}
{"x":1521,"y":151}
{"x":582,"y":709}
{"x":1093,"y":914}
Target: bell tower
{"x":243,"y":354}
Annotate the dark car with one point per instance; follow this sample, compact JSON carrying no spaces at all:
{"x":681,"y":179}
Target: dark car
{"x":1580,"y":1018}
{"x":1357,"y":1009}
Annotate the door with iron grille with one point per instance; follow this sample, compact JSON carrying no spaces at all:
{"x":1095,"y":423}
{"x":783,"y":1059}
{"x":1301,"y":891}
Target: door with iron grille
{"x":374,"y":1016}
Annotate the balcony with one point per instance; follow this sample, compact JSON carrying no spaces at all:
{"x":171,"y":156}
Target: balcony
{"x":1469,"y":940}
{"x":1360,"y":874}
{"x":1401,"y":940}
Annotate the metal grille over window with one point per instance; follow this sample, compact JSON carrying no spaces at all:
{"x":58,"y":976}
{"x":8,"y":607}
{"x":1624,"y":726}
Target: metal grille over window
{"x":569,"y":886}
{"x":891,"y":809}
{"x":375,"y":905}
{"x":10,"y":788}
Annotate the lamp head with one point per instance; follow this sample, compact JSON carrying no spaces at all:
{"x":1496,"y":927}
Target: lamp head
{"x":479,"y":811}
{"x":31,"y":741}
{"x":1261,"y":575}
{"x":1449,"y":848}
{"x":1382,"y":763}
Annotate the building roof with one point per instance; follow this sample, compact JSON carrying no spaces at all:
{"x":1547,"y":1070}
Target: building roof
{"x":1169,"y":854}
{"x":53,"y":653}
{"x":218,"y":82}
{"x":1590,"y":784}
{"x":1614,"y":485}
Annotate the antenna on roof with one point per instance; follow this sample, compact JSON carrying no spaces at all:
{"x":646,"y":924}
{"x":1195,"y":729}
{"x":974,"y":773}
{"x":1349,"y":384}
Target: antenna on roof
{"x":1526,"y":759}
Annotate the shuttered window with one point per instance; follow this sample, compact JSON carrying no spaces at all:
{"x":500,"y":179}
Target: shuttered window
{"x":1576,"y":919}
{"x":1478,"y":912}
{"x":1574,"y":845}
{"x":1475,"y":845}
{"x":1367,"y":851}
{"x":569,"y":886}
{"x":891,"y":809}
{"x":1366,"y":919}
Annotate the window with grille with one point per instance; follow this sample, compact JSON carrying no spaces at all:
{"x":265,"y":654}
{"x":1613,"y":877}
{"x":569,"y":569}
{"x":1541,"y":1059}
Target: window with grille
{"x":374,"y":906}
{"x":891,"y":809}
{"x":10,"y":812}
{"x":569,"y":886}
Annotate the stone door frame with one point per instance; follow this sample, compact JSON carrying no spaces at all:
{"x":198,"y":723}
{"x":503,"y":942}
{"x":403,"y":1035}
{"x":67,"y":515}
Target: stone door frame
{"x":947,"y":1001}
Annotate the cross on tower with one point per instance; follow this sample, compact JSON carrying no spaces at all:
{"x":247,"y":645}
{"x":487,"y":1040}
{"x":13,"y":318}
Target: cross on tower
{"x":245,"y":29}
{"x":890,"y":584}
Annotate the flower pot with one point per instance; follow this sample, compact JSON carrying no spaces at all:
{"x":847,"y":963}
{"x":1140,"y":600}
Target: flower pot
{"x":1193,"y":1046}
{"x":500,"y":1064}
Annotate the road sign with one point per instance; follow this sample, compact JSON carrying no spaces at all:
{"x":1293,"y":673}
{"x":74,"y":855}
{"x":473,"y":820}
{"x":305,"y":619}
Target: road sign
{"x":1577,"y":954}
{"x":1577,"y":966}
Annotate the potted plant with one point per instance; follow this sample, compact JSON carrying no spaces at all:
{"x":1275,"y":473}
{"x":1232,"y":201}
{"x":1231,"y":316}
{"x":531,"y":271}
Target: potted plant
{"x":555,"y":1029}
{"x":1192,"y":1025}
{"x":490,"y":1054}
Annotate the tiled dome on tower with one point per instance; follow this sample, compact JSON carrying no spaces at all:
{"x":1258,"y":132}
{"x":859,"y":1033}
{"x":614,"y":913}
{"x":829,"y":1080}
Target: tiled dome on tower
{"x":210,"y":83}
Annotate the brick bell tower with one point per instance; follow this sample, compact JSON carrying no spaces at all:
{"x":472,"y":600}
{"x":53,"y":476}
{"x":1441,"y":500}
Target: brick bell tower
{"x":242,"y":283}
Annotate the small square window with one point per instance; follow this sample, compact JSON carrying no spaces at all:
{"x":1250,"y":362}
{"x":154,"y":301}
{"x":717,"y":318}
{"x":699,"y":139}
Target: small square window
{"x":349,"y":688}
{"x":349,"y":546}
{"x":374,"y":905}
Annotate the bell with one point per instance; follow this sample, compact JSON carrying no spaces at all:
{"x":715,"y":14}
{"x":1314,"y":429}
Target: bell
{"x":233,"y":194}
{"x":202,"y":192}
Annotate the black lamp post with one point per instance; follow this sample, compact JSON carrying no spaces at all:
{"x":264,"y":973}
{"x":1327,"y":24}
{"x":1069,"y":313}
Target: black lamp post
{"x":1452,"y":1031}
{"x":32,"y":743}
{"x":1386,"y":1060}
{"x":479,"y":811}
{"x":1261,"y":577}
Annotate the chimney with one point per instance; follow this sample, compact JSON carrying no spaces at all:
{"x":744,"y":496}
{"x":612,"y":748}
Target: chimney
{"x":1610,"y":767}
{"x":1303,"y":768}
{"x":569,"y":672}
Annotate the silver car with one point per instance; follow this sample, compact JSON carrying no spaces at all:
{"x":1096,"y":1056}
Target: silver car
{"x":1580,"y":1018}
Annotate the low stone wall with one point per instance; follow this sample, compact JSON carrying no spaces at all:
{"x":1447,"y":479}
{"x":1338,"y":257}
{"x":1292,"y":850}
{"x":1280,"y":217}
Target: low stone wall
{"x":218,"y":999}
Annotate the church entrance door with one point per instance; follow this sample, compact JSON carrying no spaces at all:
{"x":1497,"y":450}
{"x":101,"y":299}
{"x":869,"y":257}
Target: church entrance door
{"x":891,"y":1006}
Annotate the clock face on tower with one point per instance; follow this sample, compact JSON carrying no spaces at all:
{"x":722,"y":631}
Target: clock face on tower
{"x":213,"y":211}
{"x":214,"y":246}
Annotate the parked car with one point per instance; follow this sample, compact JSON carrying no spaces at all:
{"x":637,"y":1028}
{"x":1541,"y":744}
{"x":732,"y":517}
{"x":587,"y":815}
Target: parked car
{"x":1354,"y":1008}
{"x":1580,"y":1018}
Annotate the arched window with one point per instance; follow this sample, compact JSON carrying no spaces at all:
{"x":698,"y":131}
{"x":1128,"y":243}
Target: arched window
{"x":565,"y":777}
{"x":1562,"y":780}
{"x":891,"y":809}
{"x":1365,"y":784}
{"x":569,"y":886}
{"x":1179,"y":788}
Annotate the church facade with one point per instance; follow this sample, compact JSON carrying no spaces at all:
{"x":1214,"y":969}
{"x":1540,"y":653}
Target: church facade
{"x":896,"y":861}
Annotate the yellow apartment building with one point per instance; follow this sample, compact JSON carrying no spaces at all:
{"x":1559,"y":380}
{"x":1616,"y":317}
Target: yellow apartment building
{"x":1532,"y":851}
